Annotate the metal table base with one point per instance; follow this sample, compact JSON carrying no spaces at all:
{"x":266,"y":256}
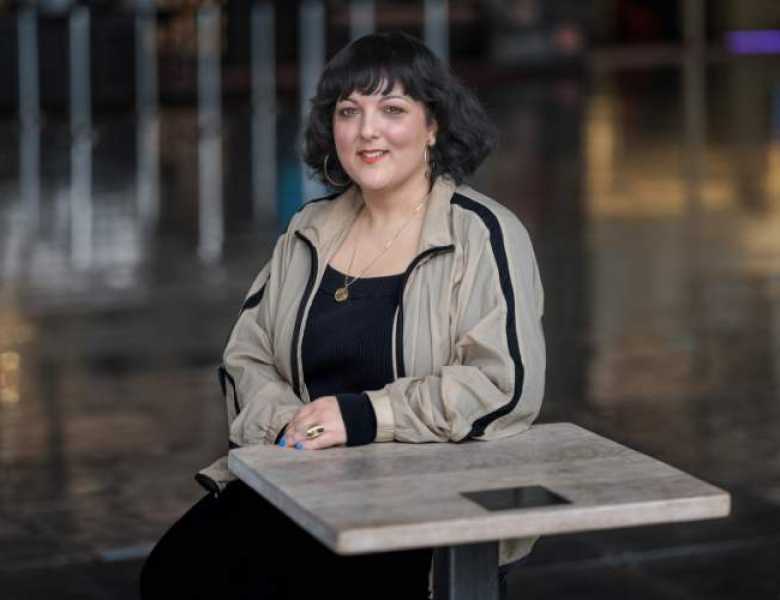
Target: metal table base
{"x":466,"y":572}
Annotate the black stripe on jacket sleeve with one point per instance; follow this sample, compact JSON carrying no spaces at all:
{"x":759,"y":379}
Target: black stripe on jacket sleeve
{"x":254,"y":299}
{"x":222,"y":374}
{"x":499,"y":252}
{"x":280,"y":435}
{"x":225,"y":378}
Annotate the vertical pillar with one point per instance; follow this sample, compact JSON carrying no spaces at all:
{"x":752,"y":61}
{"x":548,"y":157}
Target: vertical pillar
{"x":695,"y":97}
{"x":437,"y":28}
{"x":29,"y":115}
{"x":466,"y":572}
{"x":773,"y":166}
{"x":81,"y":137}
{"x":692,"y":13}
{"x":773,"y":191}
{"x":263,"y":110}
{"x":312,"y":58}
{"x":362,"y":19}
{"x":147,"y":108}
{"x":210,"y":215}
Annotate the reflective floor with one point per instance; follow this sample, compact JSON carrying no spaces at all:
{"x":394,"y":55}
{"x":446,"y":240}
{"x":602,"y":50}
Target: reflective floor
{"x":653,"y":199}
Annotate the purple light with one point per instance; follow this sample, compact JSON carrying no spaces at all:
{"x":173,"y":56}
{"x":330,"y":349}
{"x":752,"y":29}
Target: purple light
{"x":756,"y":41}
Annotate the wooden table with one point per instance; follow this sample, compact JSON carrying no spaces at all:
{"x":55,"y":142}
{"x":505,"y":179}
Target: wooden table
{"x":394,"y":496}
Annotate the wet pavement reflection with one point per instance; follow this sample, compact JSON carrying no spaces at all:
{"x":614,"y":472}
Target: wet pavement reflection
{"x":653,"y":199}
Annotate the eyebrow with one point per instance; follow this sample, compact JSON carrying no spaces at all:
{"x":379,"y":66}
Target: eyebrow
{"x":389,"y":97}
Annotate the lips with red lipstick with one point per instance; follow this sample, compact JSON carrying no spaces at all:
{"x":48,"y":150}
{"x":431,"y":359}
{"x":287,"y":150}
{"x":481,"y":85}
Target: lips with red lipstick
{"x":372,"y":156}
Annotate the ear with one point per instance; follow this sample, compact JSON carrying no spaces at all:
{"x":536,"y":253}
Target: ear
{"x":433,"y":129}
{"x":432,"y":125}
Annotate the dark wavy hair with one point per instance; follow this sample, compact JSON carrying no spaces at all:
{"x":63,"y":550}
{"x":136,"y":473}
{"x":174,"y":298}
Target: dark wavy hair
{"x":465,"y":134}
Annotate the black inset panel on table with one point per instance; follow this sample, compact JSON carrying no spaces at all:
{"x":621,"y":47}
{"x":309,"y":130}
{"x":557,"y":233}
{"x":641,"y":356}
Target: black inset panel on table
{"x":514,"y":498}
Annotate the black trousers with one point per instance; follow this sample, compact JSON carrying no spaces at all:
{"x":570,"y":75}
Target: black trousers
{"x":238,"y":546}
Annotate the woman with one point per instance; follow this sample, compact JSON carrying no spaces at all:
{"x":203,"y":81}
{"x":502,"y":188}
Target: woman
{"x":403,"y":307}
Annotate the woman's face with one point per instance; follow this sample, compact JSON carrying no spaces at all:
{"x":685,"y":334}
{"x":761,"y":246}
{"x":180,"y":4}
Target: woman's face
{"x":381,"y":139}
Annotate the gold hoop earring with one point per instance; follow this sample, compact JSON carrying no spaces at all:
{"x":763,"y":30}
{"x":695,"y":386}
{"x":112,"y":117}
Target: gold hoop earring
{"x":325,"y":173}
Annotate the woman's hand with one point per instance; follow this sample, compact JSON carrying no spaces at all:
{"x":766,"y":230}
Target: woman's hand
{"x":322,"y":411}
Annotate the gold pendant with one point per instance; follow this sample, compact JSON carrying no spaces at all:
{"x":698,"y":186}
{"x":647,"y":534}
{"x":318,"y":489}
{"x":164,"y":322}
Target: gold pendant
{"x":341,"y":294}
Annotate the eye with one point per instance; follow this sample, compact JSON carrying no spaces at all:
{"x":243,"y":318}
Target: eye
{"x":346,"y":111}
{"x":394,"y":110}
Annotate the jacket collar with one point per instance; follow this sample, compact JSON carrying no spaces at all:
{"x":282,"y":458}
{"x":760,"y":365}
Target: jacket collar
{"x":327,"y":232}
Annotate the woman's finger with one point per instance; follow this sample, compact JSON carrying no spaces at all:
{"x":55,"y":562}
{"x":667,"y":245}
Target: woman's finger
{"x":323,"y":412}
{"x":296,"y":431}
{"x":326,"y":440}
{"x":301,"y":434}
{"x":290,"y":434}
{"x":295,"y":428}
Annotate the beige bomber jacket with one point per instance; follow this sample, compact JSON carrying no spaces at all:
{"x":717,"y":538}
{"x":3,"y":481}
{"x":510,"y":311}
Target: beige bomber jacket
{"x":469,"y":351}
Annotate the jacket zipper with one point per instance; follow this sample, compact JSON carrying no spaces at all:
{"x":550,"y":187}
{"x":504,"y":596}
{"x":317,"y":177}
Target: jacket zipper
{"x":398,"y":366}
{"x":307,"y":294}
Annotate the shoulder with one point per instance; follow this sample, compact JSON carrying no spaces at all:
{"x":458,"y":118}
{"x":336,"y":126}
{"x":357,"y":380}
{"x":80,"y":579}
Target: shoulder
{"x":479,"y":217}
{"x":310,"y":210}
{"x":490,"y":231}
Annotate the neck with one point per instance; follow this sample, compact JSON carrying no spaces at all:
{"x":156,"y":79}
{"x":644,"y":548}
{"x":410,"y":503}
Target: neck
{"x":388,"y":208}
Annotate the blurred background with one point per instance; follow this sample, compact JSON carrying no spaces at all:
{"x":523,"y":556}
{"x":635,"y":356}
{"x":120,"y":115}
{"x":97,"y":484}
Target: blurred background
{"x":149,"y":157}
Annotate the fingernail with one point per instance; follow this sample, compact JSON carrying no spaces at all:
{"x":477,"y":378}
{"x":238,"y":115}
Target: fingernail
{"x":283,"y":442}
{"x":298,"y":446}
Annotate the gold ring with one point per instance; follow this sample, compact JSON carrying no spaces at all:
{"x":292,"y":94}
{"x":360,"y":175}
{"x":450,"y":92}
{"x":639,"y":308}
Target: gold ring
{"x":314,"y":431}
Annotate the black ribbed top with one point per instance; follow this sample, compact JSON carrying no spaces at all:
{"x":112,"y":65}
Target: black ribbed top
{"x":347,"y":347}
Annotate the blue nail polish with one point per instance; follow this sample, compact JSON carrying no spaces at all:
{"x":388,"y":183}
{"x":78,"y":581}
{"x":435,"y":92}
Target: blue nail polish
{"x":298,"y":446}
{"x":283,"y":442}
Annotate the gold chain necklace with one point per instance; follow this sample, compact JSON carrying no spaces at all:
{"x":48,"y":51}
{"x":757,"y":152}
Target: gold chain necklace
{"x":342,"y":293}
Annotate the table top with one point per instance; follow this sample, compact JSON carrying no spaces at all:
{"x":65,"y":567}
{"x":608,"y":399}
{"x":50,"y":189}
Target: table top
{"x":392,"y":496}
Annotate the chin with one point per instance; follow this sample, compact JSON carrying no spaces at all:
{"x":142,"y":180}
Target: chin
{"x":382,"y":179}
{"x":373,"y":184}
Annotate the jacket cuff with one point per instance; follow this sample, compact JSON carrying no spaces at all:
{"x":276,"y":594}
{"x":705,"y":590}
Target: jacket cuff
{"x":359,"y":418}
{"x":385,"y":421}
{"x":215,"y":477}
{"x":279,"y":424}
{"x":280,"y":434}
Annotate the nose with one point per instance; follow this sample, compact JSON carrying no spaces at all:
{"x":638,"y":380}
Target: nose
{"x":368,"y":126}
